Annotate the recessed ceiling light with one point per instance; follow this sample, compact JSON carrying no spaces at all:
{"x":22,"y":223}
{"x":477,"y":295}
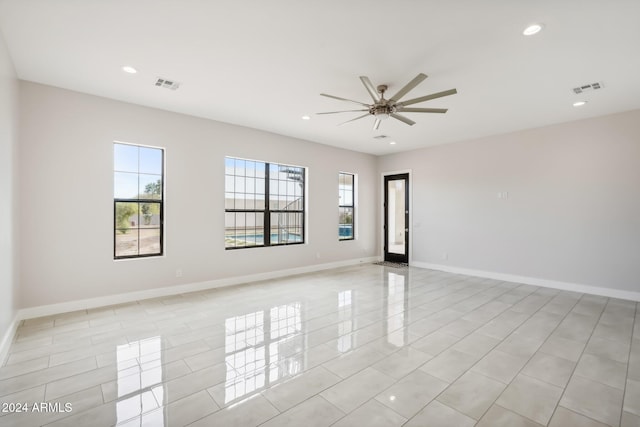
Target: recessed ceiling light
{"x":129,"y":69}
{"x":306,"y":117}
{"x":579,"y":103}
{"x":392,"y":143}
{"x":532,"y":29}
{"x":392,"y":398}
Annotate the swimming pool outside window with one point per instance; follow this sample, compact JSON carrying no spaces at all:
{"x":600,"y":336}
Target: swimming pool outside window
{"x":346,"y":206}
{"x":263,"y":196}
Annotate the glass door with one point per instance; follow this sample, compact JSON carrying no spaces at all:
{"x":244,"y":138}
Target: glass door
{"x":396,"y":218}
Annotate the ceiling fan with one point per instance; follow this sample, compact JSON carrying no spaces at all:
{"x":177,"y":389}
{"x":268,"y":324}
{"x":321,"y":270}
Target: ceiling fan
{"x":383,"y":108}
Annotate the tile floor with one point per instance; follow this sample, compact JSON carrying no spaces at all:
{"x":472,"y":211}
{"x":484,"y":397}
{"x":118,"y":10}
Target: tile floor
{"x":359,"y":346}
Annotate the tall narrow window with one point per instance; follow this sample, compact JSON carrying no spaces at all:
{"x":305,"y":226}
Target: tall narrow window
{"x":264,"y":204}
{"x":138,"y":182}
{"x":346,"y":209}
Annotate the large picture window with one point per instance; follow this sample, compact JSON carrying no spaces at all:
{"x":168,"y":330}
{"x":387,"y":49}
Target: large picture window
{"x":346,"y":206}
{"x":264,"y":204}
{"x":138,"y":181}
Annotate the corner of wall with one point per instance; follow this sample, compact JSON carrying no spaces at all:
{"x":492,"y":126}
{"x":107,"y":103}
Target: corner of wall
{"x":9,"y":278}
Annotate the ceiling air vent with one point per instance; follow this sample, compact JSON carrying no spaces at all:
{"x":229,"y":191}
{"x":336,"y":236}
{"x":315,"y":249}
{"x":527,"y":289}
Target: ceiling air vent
{"x":588,"y":88}
{"x":380,"y":137}
{"x":168,"y":84}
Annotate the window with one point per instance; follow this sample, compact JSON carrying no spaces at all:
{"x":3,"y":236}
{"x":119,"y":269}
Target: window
{"x":137,"y":200}
{"x":264,"y":204}
{"x":346,"y":209}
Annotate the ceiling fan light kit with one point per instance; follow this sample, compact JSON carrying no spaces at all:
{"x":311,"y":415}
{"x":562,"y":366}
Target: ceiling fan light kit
{"x":383,"y":108}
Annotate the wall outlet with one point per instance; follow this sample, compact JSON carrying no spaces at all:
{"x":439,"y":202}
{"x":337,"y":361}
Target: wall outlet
{"x":445,"y":255}
{"x":179,"y":272}
{"x":318,"y":255}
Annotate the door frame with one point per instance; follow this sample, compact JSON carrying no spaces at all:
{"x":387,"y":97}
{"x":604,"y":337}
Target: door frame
{"x":383,"y":211}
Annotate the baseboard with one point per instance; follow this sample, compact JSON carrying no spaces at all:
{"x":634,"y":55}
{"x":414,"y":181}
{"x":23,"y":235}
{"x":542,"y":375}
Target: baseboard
{"x":65,"y":307}
{"x":7,"y":339}
{"x":565,"y":286}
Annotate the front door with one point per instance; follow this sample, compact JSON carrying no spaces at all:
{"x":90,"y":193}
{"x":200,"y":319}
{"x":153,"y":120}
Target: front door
{"x":396,"y":218}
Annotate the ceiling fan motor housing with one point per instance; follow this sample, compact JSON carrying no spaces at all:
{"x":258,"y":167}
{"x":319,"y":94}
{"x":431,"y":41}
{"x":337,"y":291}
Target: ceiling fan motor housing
{"x":382,"y":109}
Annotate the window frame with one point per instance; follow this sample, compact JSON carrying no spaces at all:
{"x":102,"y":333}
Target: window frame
{"x":267,"y":211}
{"x":351,"y":206}
{"x":138,"y":201}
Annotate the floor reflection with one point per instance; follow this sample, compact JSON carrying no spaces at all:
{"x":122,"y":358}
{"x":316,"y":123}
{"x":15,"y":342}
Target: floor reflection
{"x":397,"y":309}
{"x":139,"y":384}
{"x":345,"y":327}
{"x":262,"y":348}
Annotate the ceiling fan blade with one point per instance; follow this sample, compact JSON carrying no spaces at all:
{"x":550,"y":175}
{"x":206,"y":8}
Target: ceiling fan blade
{"x":403,"y":119}
{"x":413,"y":83}
{"x":345,"y":111}
{"x":372,"y":90}
{"x":357,"y":118}
{"x":422,"y":110}
{"x":428,"y":97}
{"x":344,"y":99}
{"x":376,"y":124}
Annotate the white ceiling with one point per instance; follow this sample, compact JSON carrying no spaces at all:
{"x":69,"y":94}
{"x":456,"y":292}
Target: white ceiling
{"x":263,"y":64}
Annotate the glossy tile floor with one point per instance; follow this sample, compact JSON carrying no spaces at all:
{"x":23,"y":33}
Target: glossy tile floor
{"x":358,"y":346}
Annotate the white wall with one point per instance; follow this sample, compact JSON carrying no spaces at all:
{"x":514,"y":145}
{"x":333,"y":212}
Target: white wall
{"x":572,"y":214}
{"x":67,"y":188}
{"x":8,"y":184}
{"x":573,"y":208}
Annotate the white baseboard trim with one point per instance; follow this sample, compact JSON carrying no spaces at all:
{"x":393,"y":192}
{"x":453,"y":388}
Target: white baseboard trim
{"x":7,"y":339}
{"x":565,"y":286}
{"x":65,"y":307}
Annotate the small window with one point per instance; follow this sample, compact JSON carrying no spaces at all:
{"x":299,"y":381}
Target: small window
{"x":264,"y":204}
{"x":346,"y":206}
{"x":138,"y":205}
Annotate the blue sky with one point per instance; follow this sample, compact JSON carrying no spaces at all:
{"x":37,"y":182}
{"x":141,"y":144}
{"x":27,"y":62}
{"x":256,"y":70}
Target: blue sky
{"x":135,"y":167}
